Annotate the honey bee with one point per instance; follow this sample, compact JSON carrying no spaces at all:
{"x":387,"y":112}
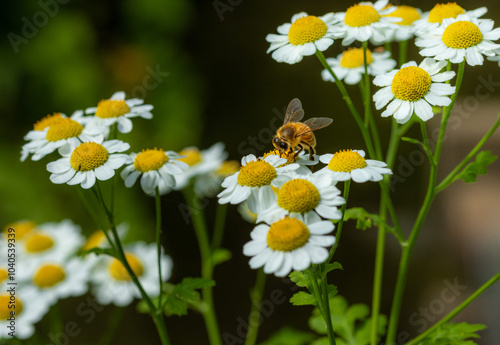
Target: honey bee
{"x":294,"y":134}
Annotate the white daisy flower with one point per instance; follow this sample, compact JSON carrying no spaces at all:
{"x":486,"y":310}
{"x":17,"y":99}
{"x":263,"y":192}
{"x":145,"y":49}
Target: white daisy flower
{"x":98,"y":238}
{"x":29,"y":309}
{"x":304,"y":194}
{"x":84,"y":163}
{"x":56,"y":280}
{"x":404,"y":30}
{"x":157,"y":169}
{"x":246,"y":214}
{"x":40,"y":126}
{"x":351,"y":164}
{"x":49,"y":241}
{"x":349,"y":66}
{"x":66,"y":131}
{"x":290,"y":243}
{"x":413,"y":89}
{"x":21,"y":229}
{"x":302,"y":37}
{"x":254,"y":181}
{"x":461,"y":38}
{"x":118,"y":110}
{"x":200,"y":163}
{"x":113,"y":284}
{"x":495,"y":58}
{"x":302,"y":159}
{"x":365,"y":21}
{"x":209,"y":185}
{"x":432,"y":19}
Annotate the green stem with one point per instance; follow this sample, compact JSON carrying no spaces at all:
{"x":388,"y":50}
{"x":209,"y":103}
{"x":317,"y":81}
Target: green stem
{"x":220,"y":221}
{"x":457,"y":310}
{"x":447,"y":112}
{"x":347,"y":186}
{"x":112,"y":327}
{"x":326,"y":302}
{"x":256,"y":297}
{"x":451,"y":176}
{"x":158,"y":242}
{"x":350,"y":104}
{"x":321,"y":295}
{"x":388,"y":47}
{"x":403,"y":49}
{"x":200,"y":229}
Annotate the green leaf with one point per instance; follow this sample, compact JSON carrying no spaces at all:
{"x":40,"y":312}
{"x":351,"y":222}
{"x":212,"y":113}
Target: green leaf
{"x":289,"y":336}
{"x":364,"y":219}
{"x":332,"y":267}
{"x":301,"y":279}
{"x":303,"y":298}
{"x":413,"y":141}
{"x":479,"y":167}
{"x":99,"y":251}
{"x":179,"y":297}
{"x":453,"y":333}
{"x":321,"y":341}
{"x":221,"y":255}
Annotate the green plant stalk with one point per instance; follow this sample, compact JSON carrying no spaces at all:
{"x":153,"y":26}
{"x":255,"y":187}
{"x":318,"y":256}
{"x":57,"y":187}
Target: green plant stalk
{"x":326,"y":301}
{"x":451,"y":176}
{"x":256,"y":297}
{"x":457,"y":310}
{"x":156,"y":314}
{"x":350,"y":105}
{"x":369,"y":120}
{"x":220,"y":222}
{"x":112,"y":327}
{"x":320,"y":295}
{"x":403,"y":50}
{"x":201,"y":233}
{"x":347,"y":186}
{"x":388,"y":47}
{"x":158,"y":242}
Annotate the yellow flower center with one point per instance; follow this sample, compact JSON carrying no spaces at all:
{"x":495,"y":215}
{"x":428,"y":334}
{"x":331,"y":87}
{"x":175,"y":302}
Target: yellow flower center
{"x":21,"y":228}
{"x":4,"y":306}
{"x":289,"y":155}
{"x":442,"y":11}
{"x":257,"y":174}
{"x":94,"y":240}
{"x":354,"y":57}
{"x":411,"y":83}
{"x":49,"y":275}
{"x":228,"y":168}
{"x":346,"y":161}
{"x":193,"y":156}
{"x":64,"y":129}
{"x":150,"y":159}
{"x":111,"y":108}
{"x":408,"y":13}
{"x":119,"y":272}
{"x":47,"y":121}
{"x":299,"y":196}
{"x":88,"y":156}
{"x":3,"y":275}
{"x":361,"y":15}
{"x":287,"y":234}
{"x":306,"y":29}
{"x":461,"y":35}
{"x":38,"y":242}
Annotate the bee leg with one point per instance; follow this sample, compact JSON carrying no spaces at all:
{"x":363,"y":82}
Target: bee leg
{"x":300,"y":150}
{"x":311,"y":150}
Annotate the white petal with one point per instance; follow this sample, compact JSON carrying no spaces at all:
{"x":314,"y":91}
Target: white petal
{"x":423,"y":110}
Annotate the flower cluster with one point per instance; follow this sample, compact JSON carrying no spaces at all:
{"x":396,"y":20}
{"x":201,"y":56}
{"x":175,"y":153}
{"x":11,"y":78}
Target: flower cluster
{"x":293,"y":206}
{"x":51,"y":270}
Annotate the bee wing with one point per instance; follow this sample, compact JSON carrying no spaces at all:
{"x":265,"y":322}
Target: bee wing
{"x":294,"y":111}
{"x":314,"y":124}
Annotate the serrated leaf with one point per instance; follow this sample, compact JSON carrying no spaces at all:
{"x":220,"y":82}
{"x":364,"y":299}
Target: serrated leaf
{"x":364,"y":219}
{"x":221,"y":255}
{"x":479,"y":167}
{"x":332,"y":267}
{"x":301,"y":279}
{"x":180,"y":296}
{"x":99,"y":251}
{"x":289,"y":336}
{"x":303,"y":298}
{"x":453,"y":333}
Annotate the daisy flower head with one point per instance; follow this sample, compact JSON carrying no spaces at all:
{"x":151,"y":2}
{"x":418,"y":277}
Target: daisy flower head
{"x":84,"y":163}
{"x":302,"y":159}
{"x":62,"y":131}
{"x":29,"y":309}
{"x":432,"y":19}
{"x":201,"y":162}
{"x":365,"y":21}
{"x":56,"y":280}
{"x":304,"y":194}
{"x":413,"y":89}
{"x":112,"y":283}
{"x":349,"y":66}
{"x":254,"y":181}
{"x":404,"y":29}
{"x":461,"y":38}
{"x":351,"y":164}
{"x":118,"y":110}
{"x":302,"y":37}
{"x":156,"y":169}
{"x":289,"y":243}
